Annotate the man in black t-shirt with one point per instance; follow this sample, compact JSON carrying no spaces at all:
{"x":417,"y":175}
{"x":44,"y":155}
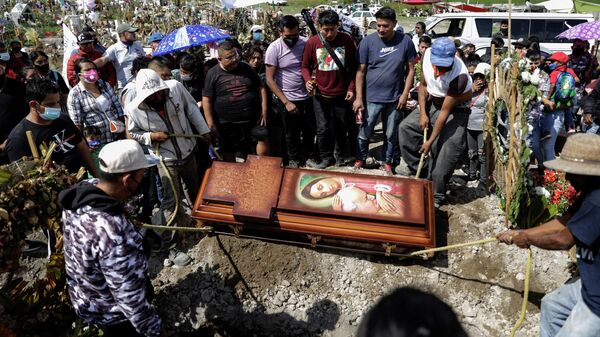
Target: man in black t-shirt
{"x":45,"y":122}
{"x":234,"y":101}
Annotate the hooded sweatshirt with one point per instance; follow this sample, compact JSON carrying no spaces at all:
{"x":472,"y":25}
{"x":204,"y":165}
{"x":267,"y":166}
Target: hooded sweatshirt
{"x":181,"y":113}
{"x":104,"y":260}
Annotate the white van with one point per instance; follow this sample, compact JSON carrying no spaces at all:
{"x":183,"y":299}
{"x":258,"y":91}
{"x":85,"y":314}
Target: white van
{"x":478,"y":28}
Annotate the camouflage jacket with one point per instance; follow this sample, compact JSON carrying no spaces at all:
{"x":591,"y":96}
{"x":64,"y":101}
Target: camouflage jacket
{"x":105,"y":264}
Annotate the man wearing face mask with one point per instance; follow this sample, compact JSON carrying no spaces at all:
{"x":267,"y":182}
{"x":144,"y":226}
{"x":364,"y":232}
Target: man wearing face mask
{"x":159,"y":110}
{"x":234,"y":101}
{"x":18,"y":58}
{"x":333,"y":88}
{"x":13,"y":107}
{"x":580,"y":61}
{"x":104,"y":258}
{"x":443,"y":97}
{"x":122,"y":54}
{"x":48,"y":126}
{"x":257,"y":38}
{"x":284,"y":76}
{"x":574,"y":308}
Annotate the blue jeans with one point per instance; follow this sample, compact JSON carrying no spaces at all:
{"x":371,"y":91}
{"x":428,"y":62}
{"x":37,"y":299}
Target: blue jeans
{"x":564,"y":314}
{"x":390,"y":118}
{"x":533,"y":138}
{"x":555,"y":120}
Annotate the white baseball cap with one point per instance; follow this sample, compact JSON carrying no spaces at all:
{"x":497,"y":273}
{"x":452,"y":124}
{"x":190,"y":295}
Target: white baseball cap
{"x":255,"y":28}
{"x":124,"y":156}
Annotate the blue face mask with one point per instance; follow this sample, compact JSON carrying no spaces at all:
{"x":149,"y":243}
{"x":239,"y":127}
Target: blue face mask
{"x":552,"y":66}
{"x":257,"y":36}
{"x":50,"y":113}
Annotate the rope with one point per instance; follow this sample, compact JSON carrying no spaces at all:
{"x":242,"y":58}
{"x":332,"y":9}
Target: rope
{"x":172,"y":183}
{"x":484,"y":241}
{"x":460,"y":245}
{"x":525,"y":294}
{"x":206,"y":229}
{"x":423,"y":155}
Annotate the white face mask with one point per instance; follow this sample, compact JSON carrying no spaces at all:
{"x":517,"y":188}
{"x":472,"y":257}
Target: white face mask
{"x":5,"y":56}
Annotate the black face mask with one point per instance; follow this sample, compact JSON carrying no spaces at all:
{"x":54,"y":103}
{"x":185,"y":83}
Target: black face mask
{"x":43,"y":69}
{"x":291,"y":41}
{"x":16,"y":49}
{"x":504,"y":31}
{"x":578,"y":51}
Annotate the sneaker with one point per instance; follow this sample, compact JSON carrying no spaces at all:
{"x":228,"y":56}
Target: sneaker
{"x":339,"y":162}
{"x":358,"y":164}
{"x":322,"y":165}
{"x":545,"y":135}
{"x":293,"y":164}
{"x":388,"y":168}
{"x":179,"y":258}
{"x":571,"y":131}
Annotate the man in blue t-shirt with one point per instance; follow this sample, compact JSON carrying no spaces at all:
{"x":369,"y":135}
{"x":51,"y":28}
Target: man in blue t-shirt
{"x":384,"y":60}
{"x":574,"y":308}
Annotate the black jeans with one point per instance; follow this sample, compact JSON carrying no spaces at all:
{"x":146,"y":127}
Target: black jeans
{"x":331,"y":115}
{"x":299,"y":129}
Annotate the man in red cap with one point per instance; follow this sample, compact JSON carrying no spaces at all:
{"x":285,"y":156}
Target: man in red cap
{"x":562,"y":94}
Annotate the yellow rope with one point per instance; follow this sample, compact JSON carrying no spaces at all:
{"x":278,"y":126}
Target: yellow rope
{"x":206,"y":229}
{"x":525,"y":294}
{"x":460,"y":245}
{"x":172,"y":183}
{"x":423,"y":155}
{"x":484,"y":241}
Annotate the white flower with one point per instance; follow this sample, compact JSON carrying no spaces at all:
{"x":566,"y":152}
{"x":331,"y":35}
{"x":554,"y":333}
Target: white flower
{"x":541,"y":191}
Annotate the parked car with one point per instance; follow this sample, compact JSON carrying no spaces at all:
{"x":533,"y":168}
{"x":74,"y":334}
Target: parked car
{"x":373,"y":8}
{"x":478,"y":28}
{"x":360,"y":16}
{"x":277,"y":2}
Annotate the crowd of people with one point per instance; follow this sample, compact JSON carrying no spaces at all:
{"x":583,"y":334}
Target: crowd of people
{"x":313,"y":101}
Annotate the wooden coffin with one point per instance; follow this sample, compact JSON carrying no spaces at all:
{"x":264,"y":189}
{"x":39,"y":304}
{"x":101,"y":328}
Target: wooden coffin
{"x":260,"y":199}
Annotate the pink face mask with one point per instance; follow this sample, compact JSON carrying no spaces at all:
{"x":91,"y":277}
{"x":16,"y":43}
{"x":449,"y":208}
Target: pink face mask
{"x":90,"y":76}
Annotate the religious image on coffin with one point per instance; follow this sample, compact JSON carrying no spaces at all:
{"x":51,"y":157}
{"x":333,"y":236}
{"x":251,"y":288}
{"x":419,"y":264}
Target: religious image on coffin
{"x":372,"y":196}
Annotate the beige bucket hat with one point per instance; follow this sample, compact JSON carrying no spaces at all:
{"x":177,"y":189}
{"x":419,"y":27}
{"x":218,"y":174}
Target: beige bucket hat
{"x":580,"y":155}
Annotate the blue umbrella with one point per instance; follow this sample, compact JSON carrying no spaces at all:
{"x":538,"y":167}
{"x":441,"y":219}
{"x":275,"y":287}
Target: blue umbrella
{"x":187,"y":37}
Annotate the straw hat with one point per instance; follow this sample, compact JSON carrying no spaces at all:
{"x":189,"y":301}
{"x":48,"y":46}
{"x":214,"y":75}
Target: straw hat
{"x":580,"y":155}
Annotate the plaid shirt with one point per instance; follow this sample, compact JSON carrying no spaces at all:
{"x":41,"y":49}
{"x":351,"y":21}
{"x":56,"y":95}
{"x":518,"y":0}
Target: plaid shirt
{"x":85,"y":111}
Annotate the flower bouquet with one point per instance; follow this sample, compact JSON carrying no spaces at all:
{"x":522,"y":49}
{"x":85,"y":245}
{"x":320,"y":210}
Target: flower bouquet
{"x":543,"y":197}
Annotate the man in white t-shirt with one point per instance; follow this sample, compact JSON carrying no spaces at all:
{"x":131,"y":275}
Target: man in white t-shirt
{"x":283,"y":62}
{"x":444,"y":92}
{"x":122,"y":54}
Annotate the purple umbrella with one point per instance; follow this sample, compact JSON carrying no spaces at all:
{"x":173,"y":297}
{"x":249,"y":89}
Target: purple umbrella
{"x":583,"y":31}
{"x":187,"y":37}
